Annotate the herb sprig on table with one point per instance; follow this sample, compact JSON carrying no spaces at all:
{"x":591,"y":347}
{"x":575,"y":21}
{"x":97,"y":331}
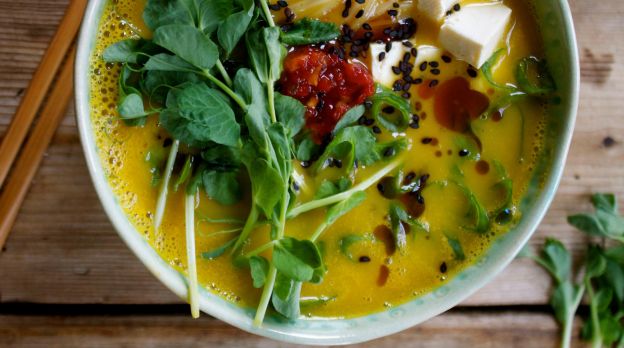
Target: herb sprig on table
{"x":602,"y":283}
{"x":230,"y":125}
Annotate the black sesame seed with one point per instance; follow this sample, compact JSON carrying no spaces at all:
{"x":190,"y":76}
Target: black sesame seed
{"x":274,"y":7}
{"x":396,"y":70}
{"x":361,"y":120}
{"x":368,"y":104}
{"x":406,"y":57}
{"x":367,"y":26}
{"x":353,"y":54}
{"x":472,"y":72}
{"x":359,"y":14}
{"x":433,"y":83}
{"x":388,"y":46}
{"x":360,"y":1}
{"x":387,"y":31}
{"x":410,"y":177}
{"x":408,"y":44}
{"x":376,"y":130}
{"x":295,"y":186}
{"x":417,"y":81}
{"x":414,"y":52}
{"x":414,"y":125}
{"x":407,"y":86}
{"x":463,"y":153}
{"x":282,"y":3}
{"x":423,"y":66}
{"x":420,"y":199}
{"x":167,"y":142}
{"x":345,"y":13}
{"x":305,"y":164}
{"x":330,"y":162}
{"x":369,"y":122}
{"x":435,"y":71}
{"x":364,"y":259}
{"x":382,"y":55}
{"x":457,"y":7}
{"x":446,"y":59}
{"x":368,"y":35}
{"x":393,"y":13}
{"x":434,"y":64}
{"x":395,"y":5}
{"x":426,"y":140}
{"x":406,"y":95}
{"x":443,"y":267}
{"x":338,"y":163}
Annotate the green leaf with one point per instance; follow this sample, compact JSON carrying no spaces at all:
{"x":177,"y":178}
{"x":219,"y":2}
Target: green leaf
{"x":605,"y":202}
{"x":222,"y":158}
{"x":213,"y":13}
{"x":340,"y":209}
{"x":213,"y":254}
{"x":350,"y":144}
{"x":595,"y":264}
{"x":267,"y":185}
{"x":234,"y":27}
{"x":476,"y":212}
{"x":256,"y":49}
{"x":296,"y":259}
{"x":347,"y":241}
{"x":286,"y":296}
{"x":259,"y":270}
{"x":163,"y":12}
{"x":131,"y":107}
{"x":556,"y":259}
{"x":126,"y":51}
{"x":398,"y":121}
{"x":316,"y":301}
{"x":188,"y":43}
{"x":350,"y":117}
{"x":456,"y":246}
{"x":198,"y":114}
{"x":167,"y":62}
{"x":290,"y":112}
{"x":223,"y":187}
{"x":275,"y":53}
{"x":562,"y":301}
{"x":185,"y":174}
{"x":533,"y":77}
{"x":310,"y":31}
{"x":156,"y":84}
{"x":307,"y":149}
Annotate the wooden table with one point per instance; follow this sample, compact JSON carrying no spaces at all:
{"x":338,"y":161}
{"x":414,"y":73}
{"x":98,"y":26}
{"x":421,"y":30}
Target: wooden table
{"x":66,"y":278}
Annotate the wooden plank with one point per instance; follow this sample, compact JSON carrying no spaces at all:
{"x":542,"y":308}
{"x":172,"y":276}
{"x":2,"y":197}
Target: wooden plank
{"x":64,"y":250}
{"x":506,"y":329}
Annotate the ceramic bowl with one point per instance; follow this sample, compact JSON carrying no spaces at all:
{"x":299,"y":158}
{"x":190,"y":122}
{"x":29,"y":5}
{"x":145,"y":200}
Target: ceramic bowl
{"x":561,"y":51}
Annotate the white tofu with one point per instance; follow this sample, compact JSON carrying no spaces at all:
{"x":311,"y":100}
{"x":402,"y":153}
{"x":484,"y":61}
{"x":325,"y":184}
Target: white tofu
{"x":473,"y":33}
{"x":436,"y":9}
{"x":382,"y":70}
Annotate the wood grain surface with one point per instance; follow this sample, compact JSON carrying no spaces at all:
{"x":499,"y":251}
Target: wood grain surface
{"x":63,"y":250}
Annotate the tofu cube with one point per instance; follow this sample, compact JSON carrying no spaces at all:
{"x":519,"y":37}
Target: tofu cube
{"x":382,"y":69}
{"x":473,"y":33}
{"x":436,"y":9}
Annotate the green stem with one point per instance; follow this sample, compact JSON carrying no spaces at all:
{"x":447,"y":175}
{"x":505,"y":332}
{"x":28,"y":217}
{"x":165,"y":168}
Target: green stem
{"x":161,"y":203}
{"x":193,"y":284}
{"x":319,"y":203}
{"x":227,"y":90}
{"x":270,"y":281}
{"x":250,"y":225}
{"x":260,"y":249}
{"x":595,"y":320}
{"x":271,"y":97}
{"x":322,"y":227}
{"x":266,"y":296}
{"x":566,"y":334}
{"x":267,"y":12}
{"x":224,"y":73}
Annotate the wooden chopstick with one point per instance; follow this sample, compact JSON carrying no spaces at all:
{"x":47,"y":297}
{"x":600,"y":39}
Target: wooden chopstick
{"x":28,"y":162}
{"x":39,"y":85}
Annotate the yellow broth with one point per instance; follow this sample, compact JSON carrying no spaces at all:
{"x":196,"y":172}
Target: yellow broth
{"x":352,"y":286}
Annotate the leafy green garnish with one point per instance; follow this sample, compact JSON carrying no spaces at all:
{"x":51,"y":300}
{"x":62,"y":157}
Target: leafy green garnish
{"x":603,"y":277}
{"x":310,"y":31}
{"x":534,"y":78}
{"x":456,"y":247}
{"x":347,"y":241}
{"x":398,"y":121}
{"x":399,"y":218}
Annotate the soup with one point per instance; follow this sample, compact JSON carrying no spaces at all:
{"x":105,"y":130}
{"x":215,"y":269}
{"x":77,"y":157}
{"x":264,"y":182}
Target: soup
{"x":320,"y":159}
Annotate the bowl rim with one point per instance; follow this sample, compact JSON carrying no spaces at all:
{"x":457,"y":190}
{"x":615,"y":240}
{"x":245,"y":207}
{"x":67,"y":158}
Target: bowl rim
{"x":233,"y":315}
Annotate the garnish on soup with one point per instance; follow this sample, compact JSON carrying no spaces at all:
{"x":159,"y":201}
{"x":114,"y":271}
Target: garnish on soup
{"x":319,"y":158}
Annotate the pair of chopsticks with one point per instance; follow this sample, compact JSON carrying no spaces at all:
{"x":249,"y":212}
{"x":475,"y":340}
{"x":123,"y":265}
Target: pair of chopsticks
{"x":61,"y":51}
